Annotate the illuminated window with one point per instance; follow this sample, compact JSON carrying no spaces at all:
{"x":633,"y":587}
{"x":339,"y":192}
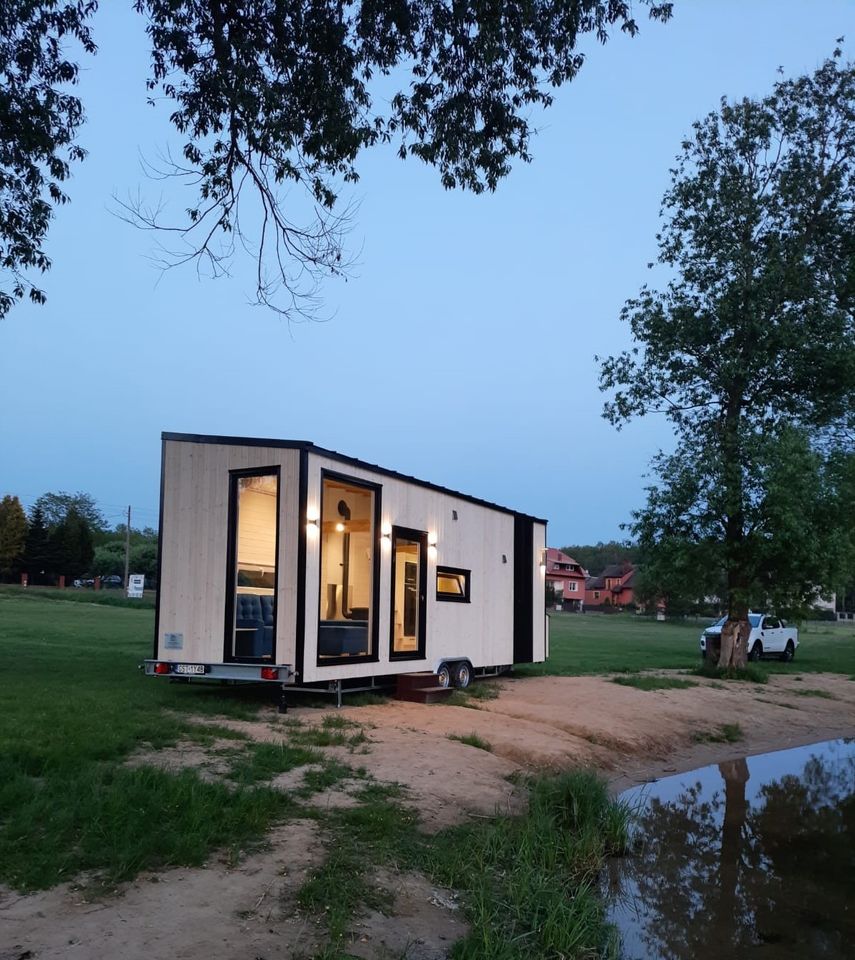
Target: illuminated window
{"x":452,"y":584}
{"x":348,"y":552}
{"x":409,"y":586}
{"x":251,"y":609}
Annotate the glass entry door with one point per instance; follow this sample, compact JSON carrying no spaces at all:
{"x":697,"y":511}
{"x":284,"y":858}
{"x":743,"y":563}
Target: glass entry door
{"x":253,"y":552}
{"x":409,"y":590}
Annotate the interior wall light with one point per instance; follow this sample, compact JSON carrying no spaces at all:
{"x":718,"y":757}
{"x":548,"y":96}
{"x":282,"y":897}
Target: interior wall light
{"x":339,"y":527}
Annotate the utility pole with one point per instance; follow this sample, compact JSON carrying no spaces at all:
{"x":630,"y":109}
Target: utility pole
{"x":127,"y":548}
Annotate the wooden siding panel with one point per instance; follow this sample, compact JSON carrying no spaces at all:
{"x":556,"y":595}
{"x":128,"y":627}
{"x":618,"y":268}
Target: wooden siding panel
{"x":195,"y":531}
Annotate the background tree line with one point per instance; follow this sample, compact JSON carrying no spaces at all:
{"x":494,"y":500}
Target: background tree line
{"x":65,"y":534}
{"x":595,"y":557}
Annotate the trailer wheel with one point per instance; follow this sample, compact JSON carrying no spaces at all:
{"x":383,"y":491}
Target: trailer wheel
{"x":443,"y":676}
{"x":462,"y":675}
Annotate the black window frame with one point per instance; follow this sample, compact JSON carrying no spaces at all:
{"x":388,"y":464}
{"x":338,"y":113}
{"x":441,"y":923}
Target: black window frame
{"x":374,"y":613}
{"x":231,"y":562}
{"x":421,"y":537}
{"x":465,"y":597}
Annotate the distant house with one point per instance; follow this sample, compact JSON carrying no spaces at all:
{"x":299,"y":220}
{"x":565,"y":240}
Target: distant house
{"x":567,"y":579}
{"x":613,"y":588}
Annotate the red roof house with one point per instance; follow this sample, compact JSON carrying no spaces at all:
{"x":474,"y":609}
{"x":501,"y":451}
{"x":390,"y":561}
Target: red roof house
{"x":567,"y":578}
{"x":613,"y":588}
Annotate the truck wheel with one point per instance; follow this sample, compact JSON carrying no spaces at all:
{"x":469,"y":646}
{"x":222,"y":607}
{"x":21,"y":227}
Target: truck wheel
{"x":462,"y":675}
{"x":789,"y":652}
{"x":756,"y":651}
{"x":443,"y":676}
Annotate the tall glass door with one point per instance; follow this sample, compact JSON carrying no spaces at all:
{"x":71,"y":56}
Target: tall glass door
{"x":409,"y":590}
{"x":253,"y":550}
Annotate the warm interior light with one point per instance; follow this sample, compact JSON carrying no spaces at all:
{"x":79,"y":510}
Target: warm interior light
{"x":340,"y":527}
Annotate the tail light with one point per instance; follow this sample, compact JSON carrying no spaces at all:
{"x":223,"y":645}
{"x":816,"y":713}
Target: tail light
{"x":162,"y":668}
{"x":269,"y":673}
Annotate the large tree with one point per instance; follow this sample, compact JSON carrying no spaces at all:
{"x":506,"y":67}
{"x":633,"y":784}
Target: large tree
{"x":13,"y":535}
{"x":272,"y":94}
{"x":38,"y":555}
{"x":39,"y":120}
{"x":750,"y":345}
{"x":55,"y":507}
{"x":71,"y":545}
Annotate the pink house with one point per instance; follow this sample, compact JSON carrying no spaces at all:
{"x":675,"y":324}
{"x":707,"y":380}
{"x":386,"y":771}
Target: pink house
{"x":567,"y":579}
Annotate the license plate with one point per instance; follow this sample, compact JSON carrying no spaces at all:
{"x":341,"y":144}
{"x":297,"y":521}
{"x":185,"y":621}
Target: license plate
{"x":189,"y":668}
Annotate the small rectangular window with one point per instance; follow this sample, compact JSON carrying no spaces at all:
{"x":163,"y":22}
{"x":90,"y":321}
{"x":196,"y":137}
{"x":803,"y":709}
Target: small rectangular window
{"x":452,"y":584}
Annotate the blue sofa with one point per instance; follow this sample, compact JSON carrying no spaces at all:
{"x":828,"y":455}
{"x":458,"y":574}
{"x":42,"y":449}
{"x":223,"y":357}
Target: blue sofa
{"x":253,"y":625}
{"x":343,"y":638}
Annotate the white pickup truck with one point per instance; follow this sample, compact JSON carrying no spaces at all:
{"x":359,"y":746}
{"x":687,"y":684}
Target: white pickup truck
{"x":769,"y":636}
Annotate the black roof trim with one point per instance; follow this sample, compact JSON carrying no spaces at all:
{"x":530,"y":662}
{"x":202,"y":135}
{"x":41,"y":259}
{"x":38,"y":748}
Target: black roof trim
{"x":341,"y":458}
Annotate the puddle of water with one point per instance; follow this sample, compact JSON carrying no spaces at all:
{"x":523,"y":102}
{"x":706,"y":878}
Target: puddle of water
{"x":752,"y":858}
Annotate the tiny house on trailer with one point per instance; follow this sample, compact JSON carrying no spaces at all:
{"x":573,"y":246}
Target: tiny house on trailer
{"x":282,"y":562}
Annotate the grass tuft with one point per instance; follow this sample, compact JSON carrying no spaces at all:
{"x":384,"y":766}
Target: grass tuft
{"x":750,"y":673}
{"x":812,"y":692}
{"x":647,"y":682}
{"x":724,"y":733}
{"x":473,"y":695}
{"x":472,"y":740}
{"x":366,"y":699}
{"x":264,"y":761}
{"x":484,"y":690}
{"x":321,"y":778}
{"x":530,"y":882}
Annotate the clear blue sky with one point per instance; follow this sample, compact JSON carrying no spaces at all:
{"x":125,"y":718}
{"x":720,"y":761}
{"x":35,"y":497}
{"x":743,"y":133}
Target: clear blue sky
{"x":462,"y":349}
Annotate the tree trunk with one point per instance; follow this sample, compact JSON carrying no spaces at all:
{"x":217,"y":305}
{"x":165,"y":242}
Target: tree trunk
{"x":734,"y":640}
{"x":736,"y":630}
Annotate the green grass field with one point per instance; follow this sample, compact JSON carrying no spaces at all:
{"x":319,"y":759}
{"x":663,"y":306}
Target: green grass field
{"x":74,"y":707}
{"x":598,"y":643}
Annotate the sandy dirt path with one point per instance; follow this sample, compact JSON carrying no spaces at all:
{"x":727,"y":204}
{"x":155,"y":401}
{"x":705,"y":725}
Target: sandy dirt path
{"x":249,"y":911}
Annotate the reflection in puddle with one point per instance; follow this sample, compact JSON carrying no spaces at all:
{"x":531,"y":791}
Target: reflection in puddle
{"x":751,"y":858}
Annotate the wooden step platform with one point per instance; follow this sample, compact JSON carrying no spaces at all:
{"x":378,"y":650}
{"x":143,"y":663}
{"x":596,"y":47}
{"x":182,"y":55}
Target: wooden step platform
{"x":420,"y":688}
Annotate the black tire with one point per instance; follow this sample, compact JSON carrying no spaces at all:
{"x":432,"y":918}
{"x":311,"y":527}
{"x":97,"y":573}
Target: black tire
{"x":756,"y":651}
{"x":462,"y":675}
{"x":443,"y":676}
{"x":789,"y":652}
